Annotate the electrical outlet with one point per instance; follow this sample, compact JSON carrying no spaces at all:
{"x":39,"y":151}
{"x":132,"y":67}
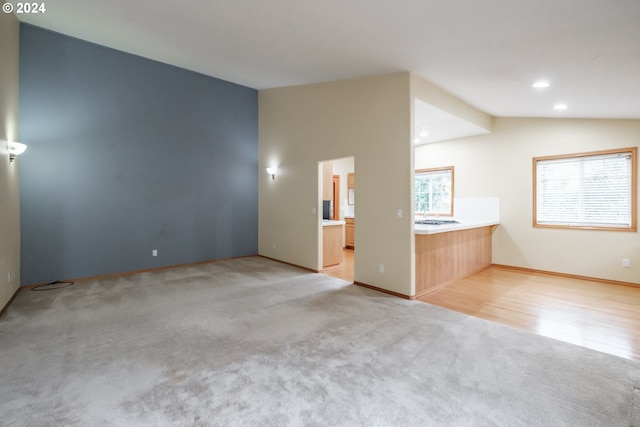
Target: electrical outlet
{"x":154,"y":252}
{"x":380,"y":268}
{"x":626,"y":262}
{"x":399,"y":213}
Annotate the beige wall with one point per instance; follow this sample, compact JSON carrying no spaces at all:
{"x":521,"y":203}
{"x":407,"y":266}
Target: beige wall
{"x":367,"y":118}
{"x":500,"y":164}
{"x":9,"y":198}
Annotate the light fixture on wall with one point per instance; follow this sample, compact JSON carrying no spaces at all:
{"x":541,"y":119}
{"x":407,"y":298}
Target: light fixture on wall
{"x":15,"y":149}
{"x":273,"y":170}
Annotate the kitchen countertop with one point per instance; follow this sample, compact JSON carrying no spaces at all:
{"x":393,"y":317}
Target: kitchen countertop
{"x":443,"y":228}
{"x":327,"y":222}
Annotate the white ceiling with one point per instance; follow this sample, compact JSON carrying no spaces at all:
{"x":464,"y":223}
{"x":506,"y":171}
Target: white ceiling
{"x":488,"y":53}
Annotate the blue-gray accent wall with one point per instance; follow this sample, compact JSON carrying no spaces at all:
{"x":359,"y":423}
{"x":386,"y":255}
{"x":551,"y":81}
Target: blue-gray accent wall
{"x":126,"y":155}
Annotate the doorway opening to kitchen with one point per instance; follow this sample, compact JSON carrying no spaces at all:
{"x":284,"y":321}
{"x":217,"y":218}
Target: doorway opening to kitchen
{"x":338,"y":217}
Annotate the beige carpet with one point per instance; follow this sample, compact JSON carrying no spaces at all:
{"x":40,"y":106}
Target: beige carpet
{"x":255,"y":342}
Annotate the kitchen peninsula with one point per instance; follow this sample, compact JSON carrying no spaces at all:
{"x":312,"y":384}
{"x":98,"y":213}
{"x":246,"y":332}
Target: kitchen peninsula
{"x":453,"y":250}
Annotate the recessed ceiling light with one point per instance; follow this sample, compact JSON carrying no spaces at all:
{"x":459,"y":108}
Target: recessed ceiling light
{"x":541,"y":84}
{"x":416,"y":140}
{"x":424,"y":134}
{"x":560,"y":107}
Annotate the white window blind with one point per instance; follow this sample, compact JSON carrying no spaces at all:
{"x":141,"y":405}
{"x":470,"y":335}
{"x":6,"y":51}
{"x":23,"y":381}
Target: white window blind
{"x":586,"y":190}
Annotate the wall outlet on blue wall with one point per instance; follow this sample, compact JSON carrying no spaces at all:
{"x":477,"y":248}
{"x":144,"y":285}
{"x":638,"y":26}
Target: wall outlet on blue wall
{"x":154,"y":252}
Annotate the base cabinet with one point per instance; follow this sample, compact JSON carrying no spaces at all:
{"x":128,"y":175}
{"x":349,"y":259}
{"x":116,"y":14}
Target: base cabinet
{"x":331,"y":245}
{"x":350,"y":233}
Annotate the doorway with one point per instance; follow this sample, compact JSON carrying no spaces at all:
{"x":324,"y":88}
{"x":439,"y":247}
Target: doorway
{"x":336,"y":176}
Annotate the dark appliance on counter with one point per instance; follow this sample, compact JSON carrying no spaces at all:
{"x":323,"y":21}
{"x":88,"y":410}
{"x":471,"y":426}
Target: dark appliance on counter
{"x":326,"y":209}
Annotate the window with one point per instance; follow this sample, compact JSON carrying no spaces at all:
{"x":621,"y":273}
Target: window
{"x":590,"y":190}
{"x":434,"y":191}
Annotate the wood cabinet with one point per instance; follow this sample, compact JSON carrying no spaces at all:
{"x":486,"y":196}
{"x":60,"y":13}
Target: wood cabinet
{"x":442,"y":258}
{"x":350,"y":232}
{"x":351,"y":180}
{"x":332,"y":245}
{"x":327,"y":180}
{"x":351,"y":188}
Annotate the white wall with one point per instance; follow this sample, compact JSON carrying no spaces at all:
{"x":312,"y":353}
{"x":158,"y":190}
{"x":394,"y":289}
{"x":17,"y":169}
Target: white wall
{"x":436,"y":97}
{"x":9,"y":187}
{"x":367,"y":118}
{"x":500,"y":164}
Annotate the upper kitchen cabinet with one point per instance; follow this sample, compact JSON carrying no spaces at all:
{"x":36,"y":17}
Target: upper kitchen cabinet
{"x":351,"y":188}
{"x":327,"y":180}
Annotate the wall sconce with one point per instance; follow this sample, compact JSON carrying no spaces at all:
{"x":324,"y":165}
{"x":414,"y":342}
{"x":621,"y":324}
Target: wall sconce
{"x":273,"y":170}
{"x":15,"y":149}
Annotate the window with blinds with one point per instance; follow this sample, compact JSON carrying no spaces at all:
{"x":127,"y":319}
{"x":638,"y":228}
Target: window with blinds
{"x":433,"y":191}
{"x":589,"y":190}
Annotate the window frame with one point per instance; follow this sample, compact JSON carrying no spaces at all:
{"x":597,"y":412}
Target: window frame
{"x":438,"y":169}
{"x":634,"y":189}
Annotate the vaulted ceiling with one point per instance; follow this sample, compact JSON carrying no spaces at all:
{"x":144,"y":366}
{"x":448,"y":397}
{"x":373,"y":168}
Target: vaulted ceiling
{"x":488,"y":53}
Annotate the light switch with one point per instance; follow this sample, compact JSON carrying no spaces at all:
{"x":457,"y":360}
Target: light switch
{"x":399,"y":213}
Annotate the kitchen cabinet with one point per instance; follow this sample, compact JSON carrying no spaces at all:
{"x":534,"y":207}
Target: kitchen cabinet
{"x":350,"y":232}
{"x":332,"y":236}
{"x":327,"y":181}
{"x":351,"y":188}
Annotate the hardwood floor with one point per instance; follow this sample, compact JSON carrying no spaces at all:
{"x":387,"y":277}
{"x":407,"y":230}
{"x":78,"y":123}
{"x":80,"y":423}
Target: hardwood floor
{"x":345,"y":269}
{"x":599,"y":316}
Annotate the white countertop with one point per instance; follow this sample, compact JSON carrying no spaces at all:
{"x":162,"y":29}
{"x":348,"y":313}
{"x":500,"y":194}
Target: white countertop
{"x":327,"y":222}
{"x":443,"y":228}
